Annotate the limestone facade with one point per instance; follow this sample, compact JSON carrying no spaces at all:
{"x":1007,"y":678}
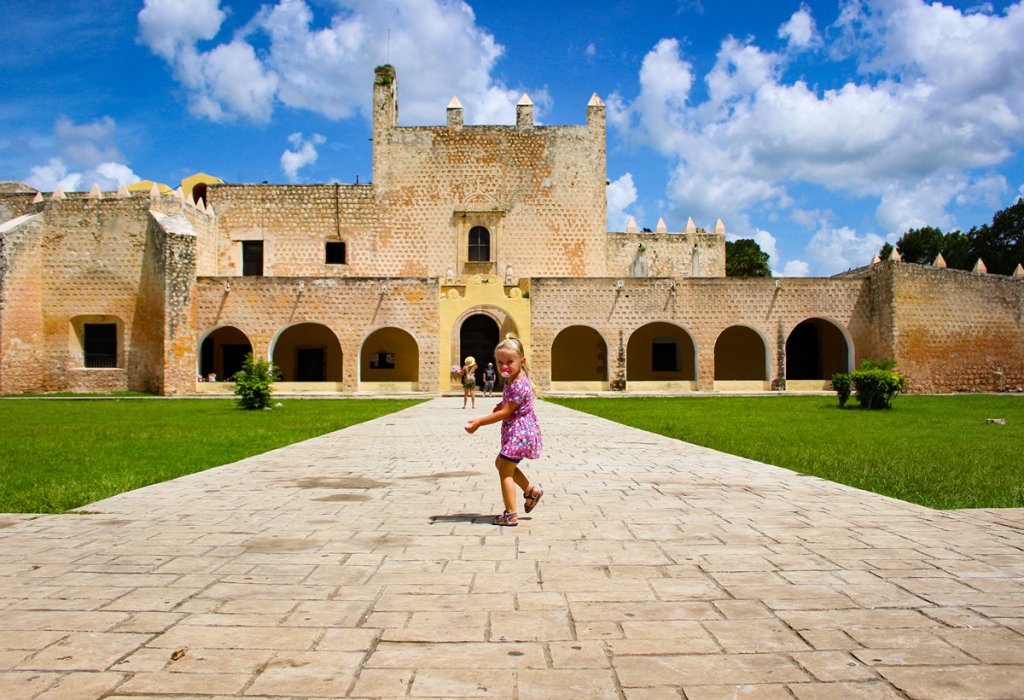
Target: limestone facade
{"x":466,"y":233}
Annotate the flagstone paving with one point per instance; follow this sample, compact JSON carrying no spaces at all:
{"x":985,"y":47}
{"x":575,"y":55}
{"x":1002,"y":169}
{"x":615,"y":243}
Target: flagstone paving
{"x":363,"y":564}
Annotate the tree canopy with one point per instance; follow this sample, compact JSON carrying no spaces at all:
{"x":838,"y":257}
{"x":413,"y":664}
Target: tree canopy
{"x":744,"y":258}
{"x":999,"y":244}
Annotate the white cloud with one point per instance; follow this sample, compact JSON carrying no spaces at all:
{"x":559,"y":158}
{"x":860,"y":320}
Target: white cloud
{"x":833,"y":250}
{"x":435,"y":45}
{"x":620,"y":194}
{"x":796,"y":268}
{"x":799,"y":30}
{"x":305,"y":154}
{"x":939,"y":95}
{"x":86,"y":154}
{"x":109,"y":176}
{"x":591,"y":50}
{"x":768,"y":244}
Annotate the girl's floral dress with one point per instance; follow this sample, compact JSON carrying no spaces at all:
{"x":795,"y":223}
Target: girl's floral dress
{"x":520,"y":434}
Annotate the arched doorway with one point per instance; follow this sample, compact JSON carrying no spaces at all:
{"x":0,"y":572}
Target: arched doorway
{"x":478,"y":336}
{"x":389,"y":360}
{"x":308,"y":352}
{"x":579,"y":359}
{"x":741,"y":360}
{"x":222,"y":352}
{"x":661,"y":356}
{"x":815,"y":350}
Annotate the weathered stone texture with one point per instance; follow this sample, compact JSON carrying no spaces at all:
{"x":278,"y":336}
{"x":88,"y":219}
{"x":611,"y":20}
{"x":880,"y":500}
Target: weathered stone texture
{"x":957,"y":330}
{"x":666,"y":254}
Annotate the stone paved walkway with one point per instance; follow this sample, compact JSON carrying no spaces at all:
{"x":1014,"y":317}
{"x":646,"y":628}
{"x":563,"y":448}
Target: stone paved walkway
{"x":363,"y":564}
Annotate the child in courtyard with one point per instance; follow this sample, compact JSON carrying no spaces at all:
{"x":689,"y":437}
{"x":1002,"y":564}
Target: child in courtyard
{"x":469,"y":381}
{"x":520,"y":431}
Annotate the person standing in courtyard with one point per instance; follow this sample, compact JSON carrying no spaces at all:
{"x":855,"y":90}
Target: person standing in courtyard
{"x":490,"y":376}
{"x":469,"y":381}
{"x":520,"y":431}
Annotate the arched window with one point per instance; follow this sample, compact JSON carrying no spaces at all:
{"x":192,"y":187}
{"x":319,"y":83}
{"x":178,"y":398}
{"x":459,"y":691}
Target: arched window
{"x":479,"y":244}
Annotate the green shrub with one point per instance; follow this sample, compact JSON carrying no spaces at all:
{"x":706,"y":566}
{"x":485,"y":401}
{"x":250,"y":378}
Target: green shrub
{"x":877,"y":383}
{"x":843,"y":386}
{"x":253,"y":383}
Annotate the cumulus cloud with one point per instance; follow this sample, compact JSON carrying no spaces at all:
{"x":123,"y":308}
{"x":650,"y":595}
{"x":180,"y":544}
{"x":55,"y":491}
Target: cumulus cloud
{"x":304,"y":154}
{"x":796,"y":268}
{"x":86,"y":153}
{"x":937,"y":102}
{"x":833,"y":250}
{"x":799,"y":30}
{"x":620,"y":194}
{"x":436,"y":46}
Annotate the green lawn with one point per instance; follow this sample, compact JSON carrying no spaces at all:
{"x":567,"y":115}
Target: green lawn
{"x":934,"y":450}
{"x":58,"y":455}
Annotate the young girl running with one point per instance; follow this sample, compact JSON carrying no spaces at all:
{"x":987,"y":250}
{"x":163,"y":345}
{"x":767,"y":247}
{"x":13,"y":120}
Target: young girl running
{"x":520,"y":431}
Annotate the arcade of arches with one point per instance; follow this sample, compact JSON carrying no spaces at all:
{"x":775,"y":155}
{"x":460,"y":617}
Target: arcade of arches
{"x":658,"y":356}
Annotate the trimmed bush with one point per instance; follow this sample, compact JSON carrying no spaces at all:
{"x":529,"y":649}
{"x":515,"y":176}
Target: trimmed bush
{"x":877,"y":383}
{"x":253,"y":383}
{"x":843,"y":386}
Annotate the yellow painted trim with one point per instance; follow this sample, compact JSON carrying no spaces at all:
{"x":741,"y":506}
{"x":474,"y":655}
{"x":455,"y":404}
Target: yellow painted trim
{"x":479,"y":292}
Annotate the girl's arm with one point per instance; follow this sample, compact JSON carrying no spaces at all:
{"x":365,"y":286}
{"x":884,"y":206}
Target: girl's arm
{"x":504,"y":412}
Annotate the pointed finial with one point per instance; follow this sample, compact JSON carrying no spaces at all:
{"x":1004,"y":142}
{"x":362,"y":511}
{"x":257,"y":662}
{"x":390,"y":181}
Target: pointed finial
{"x":58,"y":193}
{"x":875,"y":259}
{"x":1018,"y":271}
{"x":95,"y":193}
{"x":595,"y":101}
{"x":939,"y":261}
{"x":895,"y":255}
{"x":455,"y":104}
{"x":661,"y":227}
{"x":719,"y":227}
{"x":691,"y":227}
{"x":525,"y":101}
{"x":980,"y":267}
{"x":38,"y":198}
{"x":154,"y":192}
{"x":190,"y":201}
{"x":179,"y":195}
{"x":209,"y":209}
{"x":631,"y":226}
{"x":123,"y":192}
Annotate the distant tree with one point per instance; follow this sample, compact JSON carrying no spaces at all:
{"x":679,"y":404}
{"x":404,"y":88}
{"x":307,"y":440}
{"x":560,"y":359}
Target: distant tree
{"x":958,"y":251}
{"x":921,"y":245}
{"x":744,"y":258}
{"x":1001,"y":244}
{"x":885,"y":252}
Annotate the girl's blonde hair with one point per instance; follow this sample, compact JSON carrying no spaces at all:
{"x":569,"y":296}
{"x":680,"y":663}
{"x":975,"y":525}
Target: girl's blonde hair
{"x":511,"y":342}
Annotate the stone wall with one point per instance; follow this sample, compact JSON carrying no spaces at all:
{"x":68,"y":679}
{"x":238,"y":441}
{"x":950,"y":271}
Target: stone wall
{"x":703,"y":307}
{"x":352,"y":308}
{"x":666,"y":254}
{"x":955,"y":330}
{"x":540,"y":191}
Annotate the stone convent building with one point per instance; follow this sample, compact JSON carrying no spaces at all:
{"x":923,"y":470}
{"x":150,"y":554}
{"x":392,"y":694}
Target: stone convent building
{"x":466,"y":233}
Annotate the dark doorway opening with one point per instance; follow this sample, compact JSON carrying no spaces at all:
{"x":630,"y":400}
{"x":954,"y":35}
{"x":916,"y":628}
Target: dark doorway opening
{"x":310,"y":365}
{"x":478,"y":337}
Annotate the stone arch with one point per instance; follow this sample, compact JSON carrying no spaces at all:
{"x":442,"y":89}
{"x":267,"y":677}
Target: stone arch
{"x":661,"y":353}
{"x":741,"y":354}
{"x":307,"y":352}
{"x":486,"y":324}
{"x":816,"y":349}
{"x":389,"y":357}
{"x":199,"y":193}
{"x":221,"y":353}
{"x":579,"y":354}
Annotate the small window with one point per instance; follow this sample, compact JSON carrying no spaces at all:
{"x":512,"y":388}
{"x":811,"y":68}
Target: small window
{"x":479,"y":244}
{"x":335,"y":252}
{"x":252,"y":258}
{"x":664,"y":355}
{"x":100,"y":340}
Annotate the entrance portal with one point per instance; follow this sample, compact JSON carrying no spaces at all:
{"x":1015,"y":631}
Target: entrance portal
{"x":478,"y":337}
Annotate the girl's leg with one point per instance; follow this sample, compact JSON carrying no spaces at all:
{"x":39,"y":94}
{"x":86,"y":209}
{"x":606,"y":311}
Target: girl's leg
{"x":506,"y":473}
{"x":465,"y":395}
{"x":472,"y":393}
{"x":521,"y":481}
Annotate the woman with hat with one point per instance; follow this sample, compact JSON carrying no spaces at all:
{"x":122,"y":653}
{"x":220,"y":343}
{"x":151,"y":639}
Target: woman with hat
{"x":469,"y":381}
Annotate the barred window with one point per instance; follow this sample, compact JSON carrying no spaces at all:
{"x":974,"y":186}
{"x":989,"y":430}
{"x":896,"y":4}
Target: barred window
{"x":100,"y":341}
{"x":479,"y":244}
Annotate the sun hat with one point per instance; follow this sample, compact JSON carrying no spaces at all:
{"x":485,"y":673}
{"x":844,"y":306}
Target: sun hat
{"x":470,"y":361}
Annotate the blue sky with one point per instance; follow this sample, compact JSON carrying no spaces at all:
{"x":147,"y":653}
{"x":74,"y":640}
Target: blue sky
{"x":820,"y":129}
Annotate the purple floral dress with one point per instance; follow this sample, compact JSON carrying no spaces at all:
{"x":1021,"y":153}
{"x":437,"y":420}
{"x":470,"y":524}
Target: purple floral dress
{"x":520,"y":434}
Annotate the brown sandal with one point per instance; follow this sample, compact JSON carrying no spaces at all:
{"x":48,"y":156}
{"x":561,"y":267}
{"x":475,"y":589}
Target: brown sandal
{"x":530,"y":501}
{"x":506,"y":519}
